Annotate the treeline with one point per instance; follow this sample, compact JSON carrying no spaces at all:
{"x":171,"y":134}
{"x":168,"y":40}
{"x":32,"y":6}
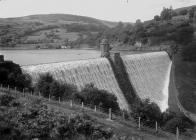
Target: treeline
{"x":169,"y":28}
{"x":159,"y":30}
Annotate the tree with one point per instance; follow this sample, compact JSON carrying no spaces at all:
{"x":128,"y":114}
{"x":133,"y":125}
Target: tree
{"x":166,"y":13}
{"x":183,"y":12}
{"x":181,"y":122}
{"x":93,"y":96}
{"x":11,"y":74}
{"x":47,"y":85}
{"x":188,"y":54}
{"x":157,"y":18}
{"x":149,"y":112}
{"x":43,"y":84}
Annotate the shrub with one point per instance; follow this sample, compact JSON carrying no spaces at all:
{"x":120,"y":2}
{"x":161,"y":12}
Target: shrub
{"x":12,"y":75}
{"x":148,"y":111}
{"x":189,"y":51}
{"x":93,"y":96}
{"x":38,"y":121}
{"x":47,"y":85}
{"x":5,"y":100}
{"x":181,"y":122}
{"x":166,"y":116}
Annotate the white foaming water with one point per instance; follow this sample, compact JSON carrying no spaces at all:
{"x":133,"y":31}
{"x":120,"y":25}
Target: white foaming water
{"x":80,"y":73}
{"x":149,"y":74}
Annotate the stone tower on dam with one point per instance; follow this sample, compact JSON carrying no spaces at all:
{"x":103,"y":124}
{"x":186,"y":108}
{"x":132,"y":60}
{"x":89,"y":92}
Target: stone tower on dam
{"x":105,"y":48}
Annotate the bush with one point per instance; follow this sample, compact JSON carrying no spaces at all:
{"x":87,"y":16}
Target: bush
{"x":148,"y":111}
{"x":5,"y":100}
{"x":166,"y":116}
{"x":181,"y":122}
{"x":93,"y":96}
{"x":36,"y":120}
{"x":47,"y":85}
{"x":189,"y":51}
{"x":64,"y":91}
{"x":11,"y":74}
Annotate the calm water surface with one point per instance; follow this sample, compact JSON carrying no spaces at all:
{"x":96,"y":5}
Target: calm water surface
{"x":29,"y":57}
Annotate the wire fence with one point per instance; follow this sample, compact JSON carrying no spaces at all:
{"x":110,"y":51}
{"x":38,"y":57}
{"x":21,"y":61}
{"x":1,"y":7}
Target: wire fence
{"x":107,"y":114}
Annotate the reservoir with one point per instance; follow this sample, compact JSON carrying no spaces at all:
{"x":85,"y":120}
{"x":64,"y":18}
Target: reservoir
{"x":33,"y":57}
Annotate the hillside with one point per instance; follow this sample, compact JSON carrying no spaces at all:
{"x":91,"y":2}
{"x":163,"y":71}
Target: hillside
{"x":122,"y":129}
{"x":48,"y":31}
{"x":60,"y":19}
{"x":184,"y":8}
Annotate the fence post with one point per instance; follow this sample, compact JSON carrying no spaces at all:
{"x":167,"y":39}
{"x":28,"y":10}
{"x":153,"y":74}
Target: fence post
{"x":110,"y":114}
{"x":123,"y":115}
{"x":69,"y":119}
{"x":95,"y":108}
{"x":23,"y":92}
{"x":39,"y":94}
{"x":15,"y":89}
{"x":139,"y":125}
{"x":49,"y":98}
{"x":156,"y":125}
{"x":71,"y":103}
{"x":8,"y":87}
{"x":59,"y":99}
{"x":82,"y":105}
{"x":177,"y":133}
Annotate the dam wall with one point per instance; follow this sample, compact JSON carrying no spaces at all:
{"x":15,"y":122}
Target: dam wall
{"x":149,"y":74}
{"x":144,"y":75}
{"x":96,"y":71}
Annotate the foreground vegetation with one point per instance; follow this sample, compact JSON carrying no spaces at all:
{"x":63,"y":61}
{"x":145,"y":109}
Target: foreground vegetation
{"x":21,"y":119}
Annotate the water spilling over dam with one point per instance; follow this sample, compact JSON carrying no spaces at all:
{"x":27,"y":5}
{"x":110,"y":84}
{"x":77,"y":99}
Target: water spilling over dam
{"x":80,"y":73}
{"x":148,"y":73}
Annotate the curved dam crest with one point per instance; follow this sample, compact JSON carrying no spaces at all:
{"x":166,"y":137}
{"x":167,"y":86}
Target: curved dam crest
{"x":148,"y":73}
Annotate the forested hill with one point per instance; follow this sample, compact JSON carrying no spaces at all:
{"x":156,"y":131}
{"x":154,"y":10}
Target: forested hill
{"x":47,"y":31}
{"x":171,"y":26}
{"x":185,"y":8}
{"x":58,"y":19}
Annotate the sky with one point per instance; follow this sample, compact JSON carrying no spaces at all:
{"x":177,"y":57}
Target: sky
{"x":112,"y":10}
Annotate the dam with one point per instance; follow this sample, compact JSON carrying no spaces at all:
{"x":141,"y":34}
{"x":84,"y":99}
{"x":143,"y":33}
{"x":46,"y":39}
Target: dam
{"x":80,"y":73}
{"x":148,"y":73}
